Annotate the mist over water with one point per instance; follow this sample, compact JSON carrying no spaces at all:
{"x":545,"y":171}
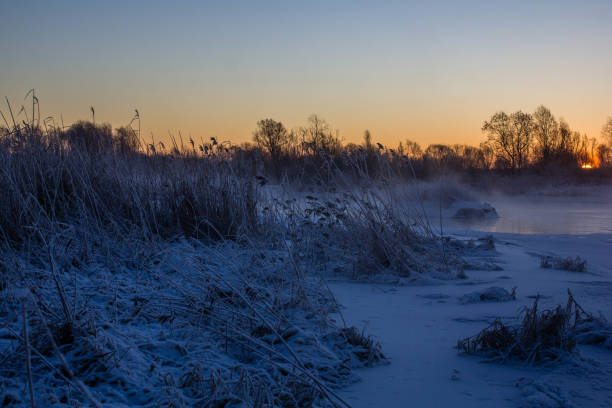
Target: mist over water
{"x":576,"y":212}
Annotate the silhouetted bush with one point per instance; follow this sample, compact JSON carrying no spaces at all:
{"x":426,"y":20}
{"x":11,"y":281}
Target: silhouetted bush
{"x":89,"y":137}
{"x":126,"y":140}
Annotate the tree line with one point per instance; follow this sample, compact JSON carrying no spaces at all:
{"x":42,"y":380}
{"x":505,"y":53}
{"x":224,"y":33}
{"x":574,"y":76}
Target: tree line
{"x":513,"y":142}
{"x":522,"y":139}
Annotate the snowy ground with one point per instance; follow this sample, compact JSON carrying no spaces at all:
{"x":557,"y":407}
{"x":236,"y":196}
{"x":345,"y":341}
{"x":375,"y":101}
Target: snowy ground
{"x":189,"y":324}
{"x":418,"y":327}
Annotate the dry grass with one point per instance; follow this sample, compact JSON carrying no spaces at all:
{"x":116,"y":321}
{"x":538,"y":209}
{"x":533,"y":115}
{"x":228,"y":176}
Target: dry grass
{"x":155,"y":280}
{"x":366,"y":234}
{"x":576,"y":264}
{"x":167,"y":279}
{"x":541,"y":336}
{"x":193,"y":324}
{"x":45,"y":188}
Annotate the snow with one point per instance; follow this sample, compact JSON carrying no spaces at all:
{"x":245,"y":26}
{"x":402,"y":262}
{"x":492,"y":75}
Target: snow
{"x":471,"y":209}
{"x":492,"y":294}
{"x":154,"y":331}
{"x":418,"y":327}
{"x":418,"y":320}
{"x":192,"y":325}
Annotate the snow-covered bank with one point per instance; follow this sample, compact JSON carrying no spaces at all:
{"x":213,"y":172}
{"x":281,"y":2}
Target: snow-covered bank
{"x":418,"y":327}
{"x":182,"y":325}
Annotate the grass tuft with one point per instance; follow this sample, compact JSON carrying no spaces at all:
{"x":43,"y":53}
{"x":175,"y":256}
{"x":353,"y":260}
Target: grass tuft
{"x":541,"y":336}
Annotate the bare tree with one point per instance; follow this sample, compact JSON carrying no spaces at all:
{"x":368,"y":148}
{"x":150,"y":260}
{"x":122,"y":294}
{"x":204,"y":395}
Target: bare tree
{"x":499,"y":133}
{"x":413,"y":149}
{"x":565,"y":138}
{"x":606,"y":131}
{"x":546,"y":133}
{"x":488,"y":155}
{"x":442,"y":155}
{"x":522,"y":124}
{"x":510,"y":136}
{"x":318,"y":137}
{"x":272,"y":137}
{"x":604,"y":155}
{"x":469,"y":157}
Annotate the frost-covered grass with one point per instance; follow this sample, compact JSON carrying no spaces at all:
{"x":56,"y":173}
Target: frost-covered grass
{"x":576,"y":264}
{"x":418,"y":326}
{"x":542,"y":335}
{"x":184,"y":324}
{"x":169,"y":280}
{"x":366,"y":233}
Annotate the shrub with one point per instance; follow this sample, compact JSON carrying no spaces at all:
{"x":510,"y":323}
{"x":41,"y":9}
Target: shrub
{"x":576,"y":264}
{"x":126,"y":140}
{"x":541,"y":335}
{"x":89,"y":137}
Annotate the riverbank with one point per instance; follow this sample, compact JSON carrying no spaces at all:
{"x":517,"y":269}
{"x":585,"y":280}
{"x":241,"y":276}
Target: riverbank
{"x":418,"y":327}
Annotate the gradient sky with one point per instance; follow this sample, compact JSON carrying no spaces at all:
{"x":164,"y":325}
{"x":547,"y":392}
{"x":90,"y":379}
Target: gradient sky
{"x":404,"y":70}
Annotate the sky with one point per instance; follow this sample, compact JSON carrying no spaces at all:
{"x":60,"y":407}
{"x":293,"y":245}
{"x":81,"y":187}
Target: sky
{"x":425,"y":71}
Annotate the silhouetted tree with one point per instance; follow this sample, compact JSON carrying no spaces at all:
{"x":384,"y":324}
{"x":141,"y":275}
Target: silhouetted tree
{"x":413,"y":149}
{"x":468,"y":157}
{"x":510,"y":137}
{"x":565,"y":138}
{"x":546,"y":134}
{"x":272,"y":137}
{"x":606,"y":132}
{"x":500,"y":137}
{"x":604,"y":155}
{"x":488,"y":154}
{"x":584,"y":148}
{"x":318,"y":137}
{"x":442,"y":156}
{"x":522,"y":125}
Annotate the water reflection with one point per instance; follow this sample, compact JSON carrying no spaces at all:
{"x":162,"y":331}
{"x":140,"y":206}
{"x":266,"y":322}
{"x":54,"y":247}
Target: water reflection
{"x":544,"y":215}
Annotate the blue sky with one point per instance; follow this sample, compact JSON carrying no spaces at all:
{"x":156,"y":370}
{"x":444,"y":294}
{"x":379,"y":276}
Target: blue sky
{"x":404,"y":70}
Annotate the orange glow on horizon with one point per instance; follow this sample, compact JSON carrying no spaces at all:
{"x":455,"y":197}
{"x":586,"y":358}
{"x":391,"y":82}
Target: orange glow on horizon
{"x":429,"y":73}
